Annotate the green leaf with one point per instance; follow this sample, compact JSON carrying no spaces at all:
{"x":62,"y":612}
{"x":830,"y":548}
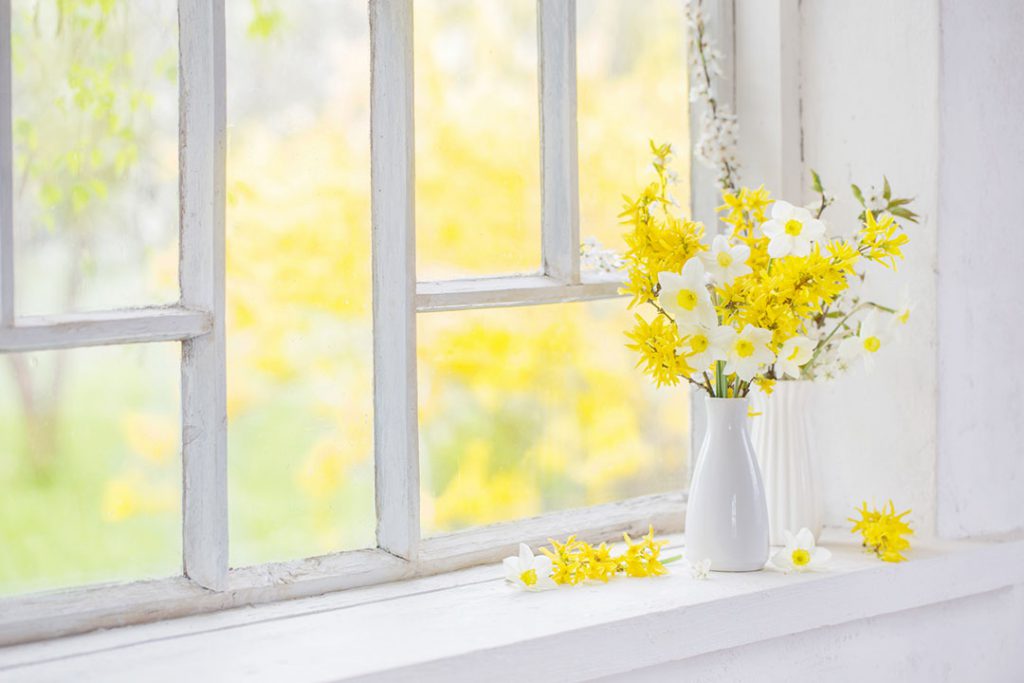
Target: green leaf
{"x":886,"y":190}
{"x":858,"y":194}
{"x":905,"y":213}
{"x":899,"y":202}
{"x":817,"y":182}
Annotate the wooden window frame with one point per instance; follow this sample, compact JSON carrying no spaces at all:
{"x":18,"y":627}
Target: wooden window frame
{"x":208,"y":582}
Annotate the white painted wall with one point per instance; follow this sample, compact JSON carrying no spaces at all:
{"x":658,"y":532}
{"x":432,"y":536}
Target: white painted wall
{"x":981,"y":268}
{"x":868,"y":85}
{"x":975,"y":640}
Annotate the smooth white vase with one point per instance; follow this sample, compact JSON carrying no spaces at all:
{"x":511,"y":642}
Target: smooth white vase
{"x":783,"y":440}
{"x":726,"y":513}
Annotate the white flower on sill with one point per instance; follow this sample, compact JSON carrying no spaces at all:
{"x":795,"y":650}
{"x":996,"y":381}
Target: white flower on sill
{"x":792,"y":230}
{"x":528,"y":571}
{"x":700,"y":570}
{"x":795,"y":352}
{"x":685,"y":296}
{"x":725,"y":263}
{"x":800,"y":553}
{"x":873,"y":334}
{"x":706,"y":345}
{"x":747,"y":350}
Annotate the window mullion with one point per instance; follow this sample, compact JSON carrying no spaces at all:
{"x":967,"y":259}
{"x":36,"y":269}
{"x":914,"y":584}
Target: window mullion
{"x":203,"y":388}
{"x":560,"y":215}
{"x":6,"y":172}
{"x":394,"y":278}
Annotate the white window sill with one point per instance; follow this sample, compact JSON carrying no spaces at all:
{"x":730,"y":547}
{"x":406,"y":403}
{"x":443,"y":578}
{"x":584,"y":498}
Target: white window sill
{"x":455,"y":626}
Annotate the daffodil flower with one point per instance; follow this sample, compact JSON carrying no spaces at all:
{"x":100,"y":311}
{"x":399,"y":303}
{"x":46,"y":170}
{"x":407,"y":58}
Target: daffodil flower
{"x":746,"y":351}
{"x":705,"y":345}
{"x":800,"y":553}
{"x":792,"y":230}
{"x":725,"y":263}
{"x":685,"y":296}
{"x":872,"y":335}
{"x":528,"y":571}
{"x":795,"y":352}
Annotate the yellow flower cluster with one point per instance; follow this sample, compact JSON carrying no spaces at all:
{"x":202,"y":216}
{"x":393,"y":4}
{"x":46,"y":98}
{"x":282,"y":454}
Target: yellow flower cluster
{"x":881,"y":239}
{"x":773,"y":278}
{"x":575,"y":561}
{"x":883,"y":531}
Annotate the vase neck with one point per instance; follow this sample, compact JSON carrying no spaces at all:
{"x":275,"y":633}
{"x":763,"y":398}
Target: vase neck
{"x":726,"y":413}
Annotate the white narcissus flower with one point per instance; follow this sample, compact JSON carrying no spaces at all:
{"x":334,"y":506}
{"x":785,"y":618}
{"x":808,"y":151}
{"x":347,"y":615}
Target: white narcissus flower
{"x":873,"y":334}
{"x":746,"y":351}
{"x":800,"y":553}
{"x":705,"y":345}
{"x":528,"y":571}
{"x":795,"y":352}
{"x":685,"y":296}
{"x":724,"y":263}
{"x":792,"y":230}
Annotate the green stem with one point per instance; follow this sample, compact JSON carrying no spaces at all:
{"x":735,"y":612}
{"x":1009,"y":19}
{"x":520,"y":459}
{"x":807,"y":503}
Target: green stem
{"x":859,"y":307}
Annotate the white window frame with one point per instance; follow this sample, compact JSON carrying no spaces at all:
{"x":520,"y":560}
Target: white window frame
{"x":208,"y":582}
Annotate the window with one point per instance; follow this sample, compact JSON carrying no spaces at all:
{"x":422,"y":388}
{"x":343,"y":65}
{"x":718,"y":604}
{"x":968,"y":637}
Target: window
{"x":374,"y":422}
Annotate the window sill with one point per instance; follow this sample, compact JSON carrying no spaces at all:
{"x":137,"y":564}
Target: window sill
{"x":453,"y":626}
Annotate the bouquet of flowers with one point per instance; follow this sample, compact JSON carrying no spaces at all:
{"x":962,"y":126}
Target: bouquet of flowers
{"x":767,"y":299}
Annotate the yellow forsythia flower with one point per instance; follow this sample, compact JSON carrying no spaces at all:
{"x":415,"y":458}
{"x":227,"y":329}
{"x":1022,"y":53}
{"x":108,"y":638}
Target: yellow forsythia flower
{"x":883,"y":531}
{"x":574,"y":561}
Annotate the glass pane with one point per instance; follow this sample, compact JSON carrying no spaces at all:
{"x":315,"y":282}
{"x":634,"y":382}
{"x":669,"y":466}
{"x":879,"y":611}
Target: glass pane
{"x":477,"y":138}
{"x":95,"y":153}
{"x":632,"y":87}
{"x":90,"y":466}
{"x":531,"y":410}
{"x":300,"y":392}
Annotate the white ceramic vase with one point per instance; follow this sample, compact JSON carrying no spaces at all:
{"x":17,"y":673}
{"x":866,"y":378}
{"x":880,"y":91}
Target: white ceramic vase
{"x":783,"y":441}
{"x":726,"y":514}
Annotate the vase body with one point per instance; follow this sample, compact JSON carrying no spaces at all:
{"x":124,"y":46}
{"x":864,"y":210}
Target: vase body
{"x":726,"y":513}
{"x":784,"y":442}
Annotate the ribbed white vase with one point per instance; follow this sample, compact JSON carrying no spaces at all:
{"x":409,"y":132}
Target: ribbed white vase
{"x":726,"y":515}
{"x":784,"y":442}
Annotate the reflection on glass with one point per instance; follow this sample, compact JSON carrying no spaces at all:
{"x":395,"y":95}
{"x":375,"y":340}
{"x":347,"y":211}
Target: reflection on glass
{"x":477,"y":138}
{"x":632,"y":87}
{"x":298,"y":280}
{"x":531,"y":410}
{"x":95,"y":132}
{"x":89,"y":466}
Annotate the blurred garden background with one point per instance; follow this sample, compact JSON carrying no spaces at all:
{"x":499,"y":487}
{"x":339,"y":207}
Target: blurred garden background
{"x":522,"y":411}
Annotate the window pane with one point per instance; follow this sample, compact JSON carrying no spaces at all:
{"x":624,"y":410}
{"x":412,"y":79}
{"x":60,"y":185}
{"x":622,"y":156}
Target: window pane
{"x":530,"y":410}
{"x":300,"y":390}
{"x":477,"y":138}
{"x":95,"y":153}
{"x":632,"y":87}
{"x":90,"y":466}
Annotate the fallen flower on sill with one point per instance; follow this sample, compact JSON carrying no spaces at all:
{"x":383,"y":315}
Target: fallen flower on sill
{"x":800,"y":553}
{"x":700,"y":570}
{"x":883,"y":531}
{"x":528,"y":571}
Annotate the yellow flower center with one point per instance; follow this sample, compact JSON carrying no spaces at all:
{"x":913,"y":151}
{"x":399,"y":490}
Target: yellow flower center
{"x":724,"y":259}
{"x":872,"y":344}
{"x":801,"y":557}
{"x":529,"y":577}
{"x":793,"y":227}
{"x":744,"y":348}
{"x":687,"y":299}
{"x":792,"y":356}
{"x":699,"y":343}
